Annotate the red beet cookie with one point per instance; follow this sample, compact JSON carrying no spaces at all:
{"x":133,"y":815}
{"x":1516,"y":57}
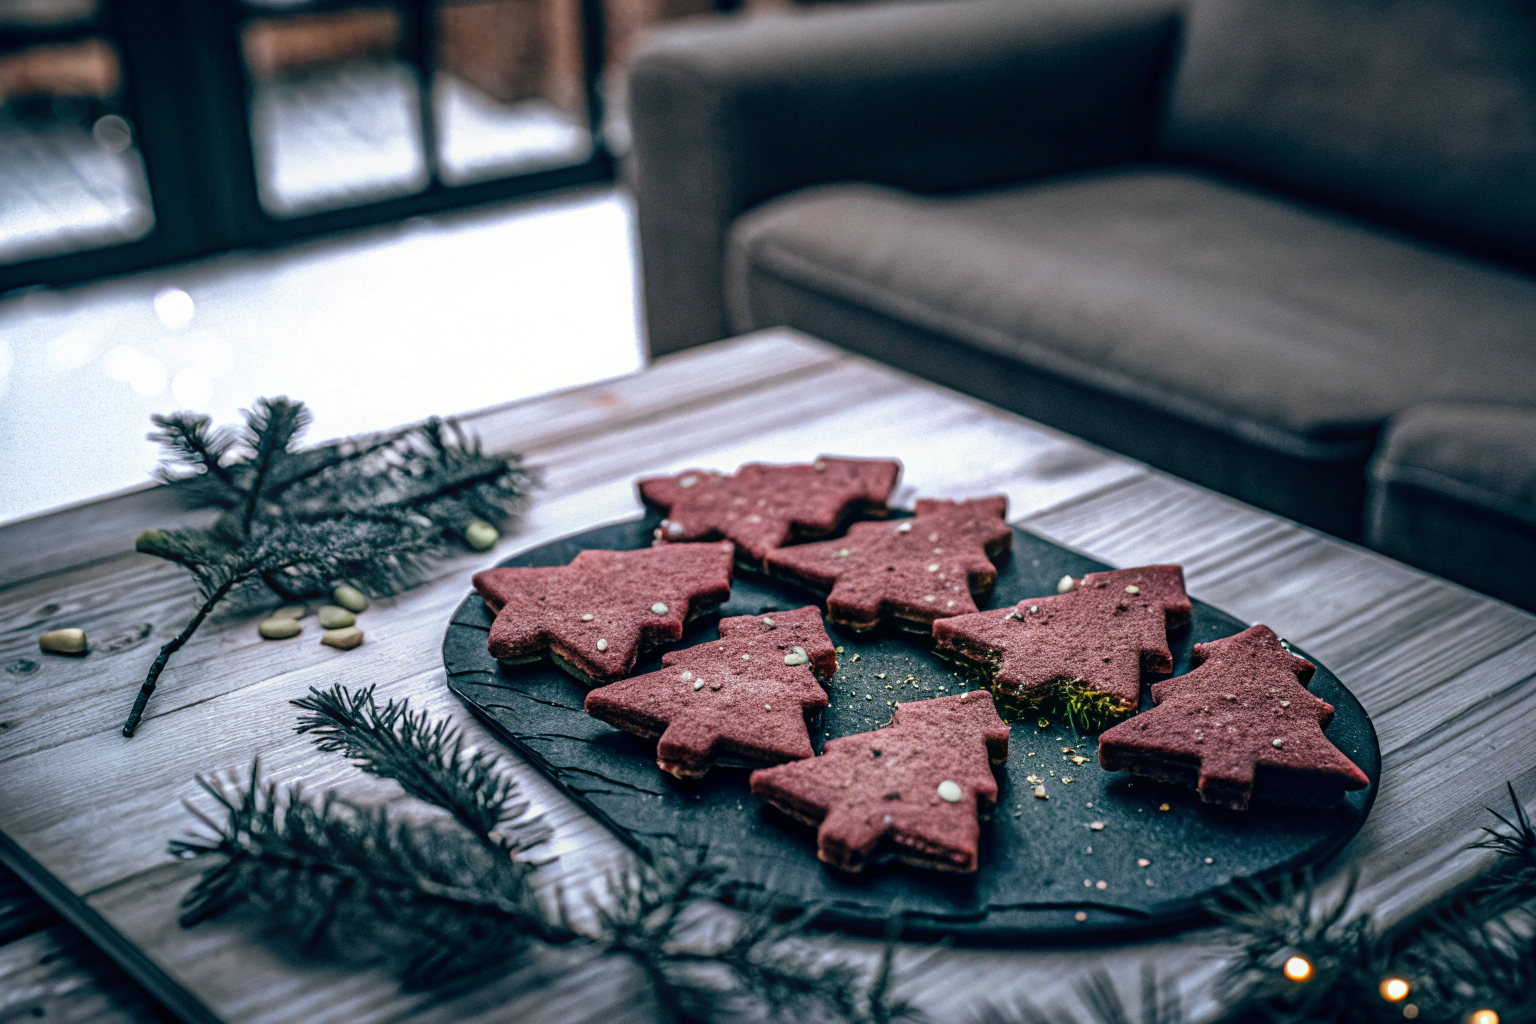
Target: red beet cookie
{"x":594,"y":615}
{"x":1243,"y":713}
{"x":745,"y":696}
{"x":762,"y":507}
{"x":1098,"y":637}
{"x":912,"y":571}
{"x":916,"y":788}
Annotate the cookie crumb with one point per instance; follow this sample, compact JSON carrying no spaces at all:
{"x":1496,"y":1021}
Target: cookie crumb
{"x":1163,"y":807}
{"x":1040,"y":793}
{"x":1080,"y":916}
{"x":1097,"y":826}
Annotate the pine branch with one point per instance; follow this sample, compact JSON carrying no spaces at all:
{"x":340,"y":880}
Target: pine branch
{"x":271,"y":428}
{"x":195,"y":452}
{"x":446,"y":901}
{"x":1477,"y":952}
{"x":763,"y":966}
{"x":355,"y":883}
{"x":427,"y":758}
{"x":374,"y":513}
{"x":147,"y":688}
{"x":1159,"y":1004}
{"x":1513,"y":879}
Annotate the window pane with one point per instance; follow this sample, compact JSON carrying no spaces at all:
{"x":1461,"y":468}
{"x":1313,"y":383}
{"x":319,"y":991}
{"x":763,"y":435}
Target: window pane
{"x":72,"y":176}
{"x":509,"y":93}
{"x":335,"y":111}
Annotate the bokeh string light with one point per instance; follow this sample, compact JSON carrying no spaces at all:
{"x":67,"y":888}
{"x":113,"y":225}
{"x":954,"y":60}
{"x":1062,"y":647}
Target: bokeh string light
{"x":1298,"y":968}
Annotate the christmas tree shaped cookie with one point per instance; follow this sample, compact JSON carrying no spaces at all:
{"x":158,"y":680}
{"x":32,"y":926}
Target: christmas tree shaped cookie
{"x":761,"y":507}
{"x":915,"y":790}
{"x":595,"y":615}
{"x":743,"y":698}
{"x":911,"y":571}
{"x":1242,"y":717}
{"x":1093,"y":641}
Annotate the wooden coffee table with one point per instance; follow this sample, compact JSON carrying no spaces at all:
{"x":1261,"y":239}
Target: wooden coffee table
{"x":1446,"y":674}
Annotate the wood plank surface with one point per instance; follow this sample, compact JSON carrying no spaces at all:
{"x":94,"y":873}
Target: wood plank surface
{"x":1446,"y":674}
{"x":55,"y":975}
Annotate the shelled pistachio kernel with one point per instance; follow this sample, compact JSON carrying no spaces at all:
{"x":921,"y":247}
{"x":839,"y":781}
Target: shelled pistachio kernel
{"x":63,"y":641}
{"x":290,"y":611}
{"x":332,"y":617}
{"x":278,"y":629}
{"x":350,"y":598}
{"x":342,"y":639}
{"x":150,"y":540}
{"x":481,"y":535}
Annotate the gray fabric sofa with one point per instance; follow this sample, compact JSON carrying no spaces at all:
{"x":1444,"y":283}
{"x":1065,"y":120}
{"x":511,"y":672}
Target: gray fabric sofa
{"x":1283,"y":248}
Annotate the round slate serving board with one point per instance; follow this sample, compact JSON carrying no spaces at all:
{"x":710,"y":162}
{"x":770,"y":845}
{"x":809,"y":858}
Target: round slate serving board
{"x":1041,"y":862}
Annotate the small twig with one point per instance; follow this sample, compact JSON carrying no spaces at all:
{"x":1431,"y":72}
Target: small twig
{"x":170,"y":648}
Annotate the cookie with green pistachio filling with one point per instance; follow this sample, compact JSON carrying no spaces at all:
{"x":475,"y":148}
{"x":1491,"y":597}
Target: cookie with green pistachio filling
{"x":1094,"y":640}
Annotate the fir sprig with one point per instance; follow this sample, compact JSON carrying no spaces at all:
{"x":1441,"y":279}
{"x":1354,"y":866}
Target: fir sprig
{"x":373,"y":512}
{"x":357,"y":883}
{"x":659,"y":915}
{"x":453,"y":898}
{"x":1477,"y":952}
{"x":1159,"y":1004}
{"x":427,"y":758}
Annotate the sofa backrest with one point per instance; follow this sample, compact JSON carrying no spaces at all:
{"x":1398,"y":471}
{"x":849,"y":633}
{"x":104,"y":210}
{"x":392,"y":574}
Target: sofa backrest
{"x":1420,"y":112}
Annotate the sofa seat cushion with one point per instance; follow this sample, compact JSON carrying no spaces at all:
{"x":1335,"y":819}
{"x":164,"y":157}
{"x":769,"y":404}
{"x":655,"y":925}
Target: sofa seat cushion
{"x":1453,"y":490}
{"x":1289,"y":327}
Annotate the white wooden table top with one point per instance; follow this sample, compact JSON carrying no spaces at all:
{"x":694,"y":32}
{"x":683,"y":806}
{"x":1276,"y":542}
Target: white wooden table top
{"x":1448,"y":676}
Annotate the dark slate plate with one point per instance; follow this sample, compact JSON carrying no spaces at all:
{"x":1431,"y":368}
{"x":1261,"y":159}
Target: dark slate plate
{"x":1036,"y":855}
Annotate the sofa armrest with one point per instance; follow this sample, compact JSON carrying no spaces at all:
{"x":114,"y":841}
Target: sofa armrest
{"x":922,"y":96}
